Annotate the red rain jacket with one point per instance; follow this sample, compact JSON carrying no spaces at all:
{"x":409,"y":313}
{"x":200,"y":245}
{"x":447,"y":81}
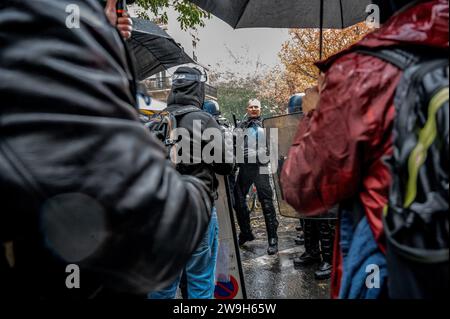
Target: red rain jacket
{"x":338,"y":154}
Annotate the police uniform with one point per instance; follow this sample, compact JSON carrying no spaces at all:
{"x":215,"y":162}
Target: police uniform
{"x":250,"y":173}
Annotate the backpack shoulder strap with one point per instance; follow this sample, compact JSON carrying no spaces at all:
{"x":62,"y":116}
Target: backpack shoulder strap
{"x":401,"y":58}
{"x":177,"y":114}
{"x":404,"y":57}
{"x":184,"y":110}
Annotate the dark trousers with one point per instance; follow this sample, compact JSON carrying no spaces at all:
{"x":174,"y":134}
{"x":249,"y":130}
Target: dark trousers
{"x":248,"y":175}
{"x":319,"y":237}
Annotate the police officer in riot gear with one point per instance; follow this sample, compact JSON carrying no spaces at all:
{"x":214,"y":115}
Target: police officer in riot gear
{"x":250,"y":173}
{"x":319,"y":240}
{"x":318,"y":233}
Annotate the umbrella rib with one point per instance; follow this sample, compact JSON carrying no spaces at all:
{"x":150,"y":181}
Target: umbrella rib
{"x":342,"y":14}
{"x":242,"y":13}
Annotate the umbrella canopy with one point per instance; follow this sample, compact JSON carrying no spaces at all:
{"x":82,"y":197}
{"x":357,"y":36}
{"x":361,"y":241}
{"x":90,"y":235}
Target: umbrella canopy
{"x":328,"y":14}
{"x":323,"y":14}
{"x":154,"y":50}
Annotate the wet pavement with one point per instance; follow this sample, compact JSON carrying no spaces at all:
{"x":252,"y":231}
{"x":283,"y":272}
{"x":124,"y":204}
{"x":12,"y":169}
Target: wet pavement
{"x":274,"y":277}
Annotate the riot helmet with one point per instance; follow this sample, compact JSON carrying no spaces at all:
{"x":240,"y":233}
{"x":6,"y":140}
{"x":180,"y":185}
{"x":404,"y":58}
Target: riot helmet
{"x":296,"y":103}
{"x":188,"y":87}
{"x":212,"y":107}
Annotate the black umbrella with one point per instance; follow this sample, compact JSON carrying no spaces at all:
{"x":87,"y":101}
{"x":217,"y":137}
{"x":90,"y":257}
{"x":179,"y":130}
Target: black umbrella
{"x":154,"y":50}
{"x":287,"y":13}
{"x":328,"y":14}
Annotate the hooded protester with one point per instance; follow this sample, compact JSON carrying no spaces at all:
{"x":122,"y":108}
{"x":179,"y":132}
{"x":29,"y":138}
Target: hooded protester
{"x":185,"y":103}
{"x":340,"y":157}
{"x":85,"y":187}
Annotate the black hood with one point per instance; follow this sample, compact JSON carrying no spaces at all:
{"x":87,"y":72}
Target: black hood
{"x":187,"y":92}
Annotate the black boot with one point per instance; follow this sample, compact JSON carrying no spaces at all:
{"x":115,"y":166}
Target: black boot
{"x":326,"y":234}
{"x":272,"y":227}
{"x":273,"y":246}
{"x":307,"y":259}
{"x":324,"y":271}
{"x":311,"y":254}
{"x":245,"y":237}
{"x":270,"y":218}
{"x":243,"y":218}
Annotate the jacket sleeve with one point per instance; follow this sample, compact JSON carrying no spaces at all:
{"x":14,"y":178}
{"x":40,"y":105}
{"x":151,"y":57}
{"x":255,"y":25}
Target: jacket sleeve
{"x":326,"y":160}
{"x":76,"y":166}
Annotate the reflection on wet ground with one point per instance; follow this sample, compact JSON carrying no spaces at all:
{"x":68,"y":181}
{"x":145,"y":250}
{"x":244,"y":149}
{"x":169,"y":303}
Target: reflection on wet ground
{"x":274,"y":277}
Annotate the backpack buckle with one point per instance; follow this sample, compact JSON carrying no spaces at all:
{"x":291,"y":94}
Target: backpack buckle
{"x":170,"y":142}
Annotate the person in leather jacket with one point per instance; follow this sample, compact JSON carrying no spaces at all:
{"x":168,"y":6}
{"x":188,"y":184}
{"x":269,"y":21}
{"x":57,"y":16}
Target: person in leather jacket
{"x":82,"y":182}
{"x":250,"y":173}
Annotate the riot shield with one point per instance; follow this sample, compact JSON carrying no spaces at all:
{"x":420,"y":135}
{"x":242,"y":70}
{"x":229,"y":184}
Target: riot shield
{"x":287,"y":126}
{"x":229,"y":275}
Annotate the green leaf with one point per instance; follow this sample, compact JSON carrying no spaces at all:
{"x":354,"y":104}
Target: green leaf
{"x":190,"y":16}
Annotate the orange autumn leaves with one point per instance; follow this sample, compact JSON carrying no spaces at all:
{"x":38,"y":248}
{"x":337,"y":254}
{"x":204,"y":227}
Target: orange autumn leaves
{"x":298,"y":56}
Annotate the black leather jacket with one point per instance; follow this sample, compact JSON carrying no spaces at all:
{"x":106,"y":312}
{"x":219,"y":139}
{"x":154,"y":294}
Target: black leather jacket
{"x":81,"y":180}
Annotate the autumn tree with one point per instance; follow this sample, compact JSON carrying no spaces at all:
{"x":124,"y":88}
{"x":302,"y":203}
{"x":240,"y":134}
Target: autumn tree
{"x":299,"y":55}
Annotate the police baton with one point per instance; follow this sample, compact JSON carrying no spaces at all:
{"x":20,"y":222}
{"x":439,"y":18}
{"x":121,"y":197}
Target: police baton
{"x":235,"y":120}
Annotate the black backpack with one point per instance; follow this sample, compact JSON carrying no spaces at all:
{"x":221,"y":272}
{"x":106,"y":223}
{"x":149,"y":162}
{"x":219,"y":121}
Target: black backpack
{"x":416,"y":220}
{"x":163,"y":126}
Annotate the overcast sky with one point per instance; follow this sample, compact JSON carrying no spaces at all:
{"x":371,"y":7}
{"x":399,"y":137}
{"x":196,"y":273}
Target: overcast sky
{"x":236,"y":50}
{"x":232,"y":49}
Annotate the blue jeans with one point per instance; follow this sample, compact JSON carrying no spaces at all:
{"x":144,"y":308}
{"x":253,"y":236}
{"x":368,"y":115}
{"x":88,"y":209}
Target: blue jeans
{"x":200,"y":269}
